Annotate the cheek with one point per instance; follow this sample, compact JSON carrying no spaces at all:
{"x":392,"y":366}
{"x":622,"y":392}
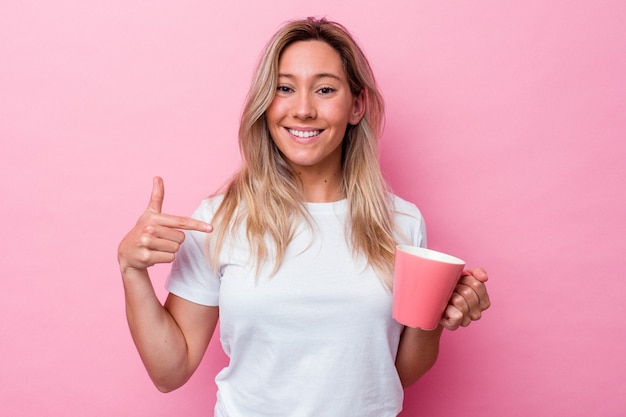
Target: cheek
{"x":270,"y":115}
{"x":275,"y":111}
{"x":339,"y":113}
{"x":273,"y":118}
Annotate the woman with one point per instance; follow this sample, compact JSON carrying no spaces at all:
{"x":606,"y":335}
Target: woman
{"x":299,"y":265}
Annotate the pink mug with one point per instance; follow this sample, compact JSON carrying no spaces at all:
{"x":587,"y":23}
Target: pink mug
{"x":423,"y":282}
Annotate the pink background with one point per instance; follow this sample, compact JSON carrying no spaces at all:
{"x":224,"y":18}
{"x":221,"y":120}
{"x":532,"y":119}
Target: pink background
{"x":506,"y":125}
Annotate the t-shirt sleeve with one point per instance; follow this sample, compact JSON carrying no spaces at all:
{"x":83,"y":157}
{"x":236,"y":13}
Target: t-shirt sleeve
{"x":410,"y":225}
{"x":421,"y":234}
{"x":191,"y":276}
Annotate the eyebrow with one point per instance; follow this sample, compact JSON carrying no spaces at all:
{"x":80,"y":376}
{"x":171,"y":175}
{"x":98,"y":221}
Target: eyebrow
{"x":317,"y":76}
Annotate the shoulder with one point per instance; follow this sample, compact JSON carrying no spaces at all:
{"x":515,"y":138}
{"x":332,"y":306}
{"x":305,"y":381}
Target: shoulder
{"x":402,"y":208}
{"x":207,"y":208}
{"x":408,"y":221}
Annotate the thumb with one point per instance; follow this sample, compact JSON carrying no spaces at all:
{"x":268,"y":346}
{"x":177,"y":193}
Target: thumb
{"x":479,"y":273}
{"x":156,"y":198}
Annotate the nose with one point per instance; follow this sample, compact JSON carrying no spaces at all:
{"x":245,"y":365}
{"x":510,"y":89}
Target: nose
{"x":304,"y":107}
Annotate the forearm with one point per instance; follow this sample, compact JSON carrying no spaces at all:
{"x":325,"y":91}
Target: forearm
{"x":417,"y":353}
{"x":158,"y":338}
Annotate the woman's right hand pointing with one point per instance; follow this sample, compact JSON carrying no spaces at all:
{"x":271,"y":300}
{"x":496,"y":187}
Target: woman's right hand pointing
{"x":157,"y":236}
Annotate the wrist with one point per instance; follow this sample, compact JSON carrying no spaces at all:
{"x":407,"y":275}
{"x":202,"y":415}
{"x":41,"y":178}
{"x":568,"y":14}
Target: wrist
{"x":131,"y":273}
{"x":422,"y":334}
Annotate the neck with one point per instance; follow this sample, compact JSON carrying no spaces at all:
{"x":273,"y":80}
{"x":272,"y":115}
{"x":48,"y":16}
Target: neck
{"x":321,"y":187}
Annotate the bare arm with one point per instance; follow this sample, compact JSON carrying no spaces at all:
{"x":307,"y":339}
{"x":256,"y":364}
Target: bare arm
{"x":417,"y":353}
{"x":418,"y":349}
{"x":171,"y":339}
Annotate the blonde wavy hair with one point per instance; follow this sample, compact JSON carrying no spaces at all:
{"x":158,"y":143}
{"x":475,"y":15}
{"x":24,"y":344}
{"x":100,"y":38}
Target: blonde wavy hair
{"x":264,"y":196}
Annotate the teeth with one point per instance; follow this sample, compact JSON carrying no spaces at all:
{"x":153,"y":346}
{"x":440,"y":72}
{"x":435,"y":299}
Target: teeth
{"x":306,"y":134}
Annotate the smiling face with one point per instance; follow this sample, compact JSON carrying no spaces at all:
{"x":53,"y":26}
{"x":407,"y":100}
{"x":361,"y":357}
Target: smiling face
{"x":312,"y":108}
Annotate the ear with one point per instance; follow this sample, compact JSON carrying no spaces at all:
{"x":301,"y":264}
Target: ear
{"x":358,"y":107}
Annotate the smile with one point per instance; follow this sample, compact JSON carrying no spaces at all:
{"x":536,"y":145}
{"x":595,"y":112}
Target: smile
{"x":304,"y":134}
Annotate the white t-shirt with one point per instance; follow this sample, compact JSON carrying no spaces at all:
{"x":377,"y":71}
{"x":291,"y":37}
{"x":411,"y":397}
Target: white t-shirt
{"x":317,"y":338}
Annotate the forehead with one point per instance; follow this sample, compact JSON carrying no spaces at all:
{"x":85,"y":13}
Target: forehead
{"x":310,"y":58}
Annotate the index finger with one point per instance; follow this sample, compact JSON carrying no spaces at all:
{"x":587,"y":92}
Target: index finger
{"x":184,"y":223}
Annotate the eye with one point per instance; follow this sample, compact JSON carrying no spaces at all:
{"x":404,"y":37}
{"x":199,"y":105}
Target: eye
{"x":326,"y":90}
{"x":283,"y":89}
